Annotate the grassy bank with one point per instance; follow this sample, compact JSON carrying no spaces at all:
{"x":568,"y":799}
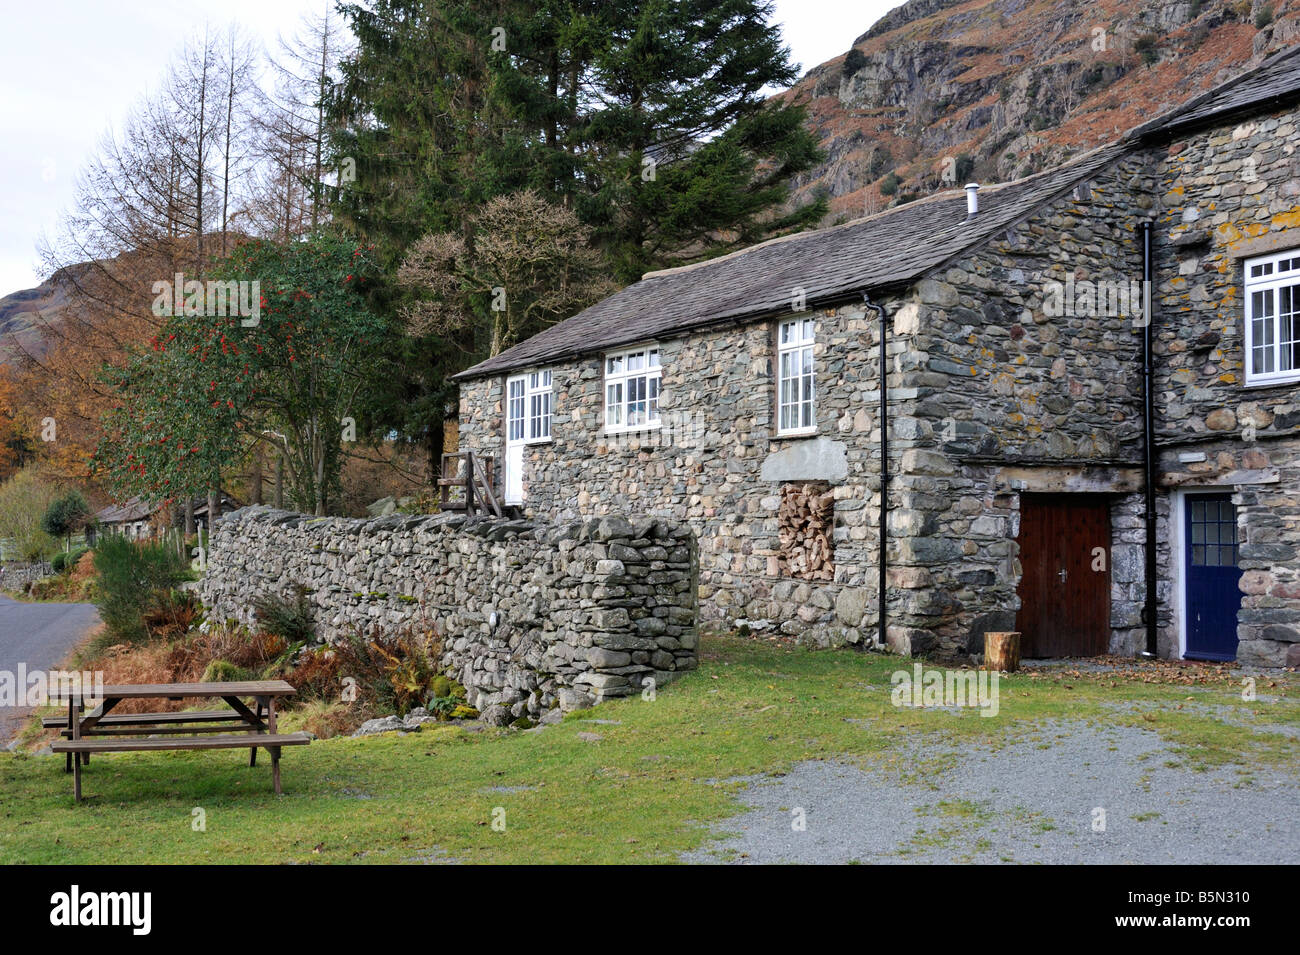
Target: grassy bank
{"x":646,"y":789}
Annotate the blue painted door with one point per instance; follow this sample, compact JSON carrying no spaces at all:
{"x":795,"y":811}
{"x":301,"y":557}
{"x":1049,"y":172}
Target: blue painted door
{"x":1211,"y":576}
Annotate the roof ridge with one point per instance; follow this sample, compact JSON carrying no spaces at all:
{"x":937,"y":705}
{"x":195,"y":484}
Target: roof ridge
{"x":779,"y":239}
{"x":946,"y":194}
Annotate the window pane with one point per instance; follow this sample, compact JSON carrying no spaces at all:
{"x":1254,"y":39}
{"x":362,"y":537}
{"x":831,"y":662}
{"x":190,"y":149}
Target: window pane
{"x":1262,"y":355}
{"x":1288,"y":307}
{"x":654,"y":358}
{"x":787,"y":332}
{"x":614,"y":404}
{"x":614,"y":366}
{"x":636,"y":361}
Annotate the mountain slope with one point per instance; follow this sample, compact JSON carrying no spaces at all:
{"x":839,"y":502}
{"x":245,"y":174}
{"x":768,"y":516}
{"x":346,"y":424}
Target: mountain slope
{"x":24,"y":315}
{"x":941,"y":92}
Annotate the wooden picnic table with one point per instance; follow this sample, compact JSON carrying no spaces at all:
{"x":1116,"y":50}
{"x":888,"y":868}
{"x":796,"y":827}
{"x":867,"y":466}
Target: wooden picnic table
{"x":99,"y":731}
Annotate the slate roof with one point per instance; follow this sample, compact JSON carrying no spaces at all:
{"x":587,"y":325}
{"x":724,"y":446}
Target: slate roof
{"x":126,"y":513}
{"x":888,"y":250}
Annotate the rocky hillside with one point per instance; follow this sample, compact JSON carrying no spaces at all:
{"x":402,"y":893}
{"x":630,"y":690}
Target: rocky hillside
{"x":23,"y":317}
{"x":942,"y":92}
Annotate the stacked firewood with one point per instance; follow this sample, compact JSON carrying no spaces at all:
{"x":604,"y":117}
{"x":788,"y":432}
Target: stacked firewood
{"x":806,"y":520}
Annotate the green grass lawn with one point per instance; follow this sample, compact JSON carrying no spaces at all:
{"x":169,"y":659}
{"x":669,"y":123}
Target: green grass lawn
{"x":648,"y":789}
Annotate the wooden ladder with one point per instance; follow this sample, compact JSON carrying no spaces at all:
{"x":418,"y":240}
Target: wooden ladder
{"x":473,"y":475}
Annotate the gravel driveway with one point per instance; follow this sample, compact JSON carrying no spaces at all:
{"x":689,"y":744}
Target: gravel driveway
{"x":1029,"y":801}
{"x":38,"y":635}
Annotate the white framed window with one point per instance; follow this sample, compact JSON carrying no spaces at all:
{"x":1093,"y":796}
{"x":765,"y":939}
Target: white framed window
{"x":795,"y":388}
{"x":528,"y":407}
{"x":1273,"y":318}
{"x":632,"y":380}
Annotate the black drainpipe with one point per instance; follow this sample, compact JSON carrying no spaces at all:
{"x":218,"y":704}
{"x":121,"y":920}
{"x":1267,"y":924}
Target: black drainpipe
{"x":1149,"y":610}
{"x":882,"y":563}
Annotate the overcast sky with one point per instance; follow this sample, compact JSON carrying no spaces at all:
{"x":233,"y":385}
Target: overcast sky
{"x":73,"y":68}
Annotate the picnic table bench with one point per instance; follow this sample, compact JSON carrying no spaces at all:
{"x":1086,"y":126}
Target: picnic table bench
{"x":100,"y":731}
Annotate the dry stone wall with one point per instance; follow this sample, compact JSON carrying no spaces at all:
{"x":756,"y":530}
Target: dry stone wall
{"x":533,"y":616}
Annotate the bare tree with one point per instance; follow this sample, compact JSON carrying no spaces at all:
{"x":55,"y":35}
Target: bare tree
{"x":295,"y":179}
{"x":525,"y":264}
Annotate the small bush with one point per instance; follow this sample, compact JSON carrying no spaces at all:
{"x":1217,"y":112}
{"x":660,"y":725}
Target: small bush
{"x":392,"y":674}
{"x":135,"y":588}
{"x":65,"y":560}
{"x":326,"y":720}
{"x":889,"y":185}
{"x":316,"y":676}
{"x":1147,"y":47}
{"x":287,"y":617}
{"x":223,"y":671}
{"x":854,"y":60}
{"x":1264,"y":17}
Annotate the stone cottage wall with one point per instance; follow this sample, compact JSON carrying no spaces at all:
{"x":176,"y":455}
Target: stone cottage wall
{"x":532,"y":616}
{"x":718,"y":466}
{"x":992,"y":396}
{"x":1013,"y":398}
{"x":1227,"y":194}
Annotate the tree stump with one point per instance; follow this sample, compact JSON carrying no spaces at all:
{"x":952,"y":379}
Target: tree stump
{"x":1002,"y":650}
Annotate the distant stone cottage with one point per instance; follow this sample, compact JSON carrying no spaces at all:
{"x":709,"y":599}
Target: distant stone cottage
{"x":743,"y":396}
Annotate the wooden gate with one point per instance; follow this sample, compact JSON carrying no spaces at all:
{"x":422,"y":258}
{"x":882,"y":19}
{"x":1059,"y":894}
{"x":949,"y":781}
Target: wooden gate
{"x":1065,"y":583}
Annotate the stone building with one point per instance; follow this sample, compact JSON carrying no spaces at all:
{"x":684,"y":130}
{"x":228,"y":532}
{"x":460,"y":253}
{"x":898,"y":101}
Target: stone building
{"x":743,"y":396}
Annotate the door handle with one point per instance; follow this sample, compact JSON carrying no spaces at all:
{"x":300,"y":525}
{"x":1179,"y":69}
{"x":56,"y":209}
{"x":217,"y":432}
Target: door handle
{"x":1062,"y":574}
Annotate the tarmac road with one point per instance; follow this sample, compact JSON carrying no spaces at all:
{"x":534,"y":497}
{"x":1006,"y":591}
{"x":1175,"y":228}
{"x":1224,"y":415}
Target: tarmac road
{"x":39,"y":636}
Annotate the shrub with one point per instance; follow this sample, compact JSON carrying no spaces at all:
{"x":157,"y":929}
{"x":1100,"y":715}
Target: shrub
{"x":223,"y":671}
{"x":1147,"y":47}
{"x":325,"y":720}
{"x":394,"y":673}
{"x":316,"y":676}
{"x":135,"y":588}
{"x":1264,"y":17}
{"x":65,"y":561}
{"x":854,"y":60}
{"x":289,"y":618}
{"x":889,"y":185}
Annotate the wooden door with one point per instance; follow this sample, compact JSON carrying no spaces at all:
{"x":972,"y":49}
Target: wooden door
{"x":1065,"y":583}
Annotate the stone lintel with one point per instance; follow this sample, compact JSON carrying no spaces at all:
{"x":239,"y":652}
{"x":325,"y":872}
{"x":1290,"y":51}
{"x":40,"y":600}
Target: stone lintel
{"x":1074,"y":480}
{"x":1249,"y":476}
{"x":1265,"y":244}
{"x":813,"y":459}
